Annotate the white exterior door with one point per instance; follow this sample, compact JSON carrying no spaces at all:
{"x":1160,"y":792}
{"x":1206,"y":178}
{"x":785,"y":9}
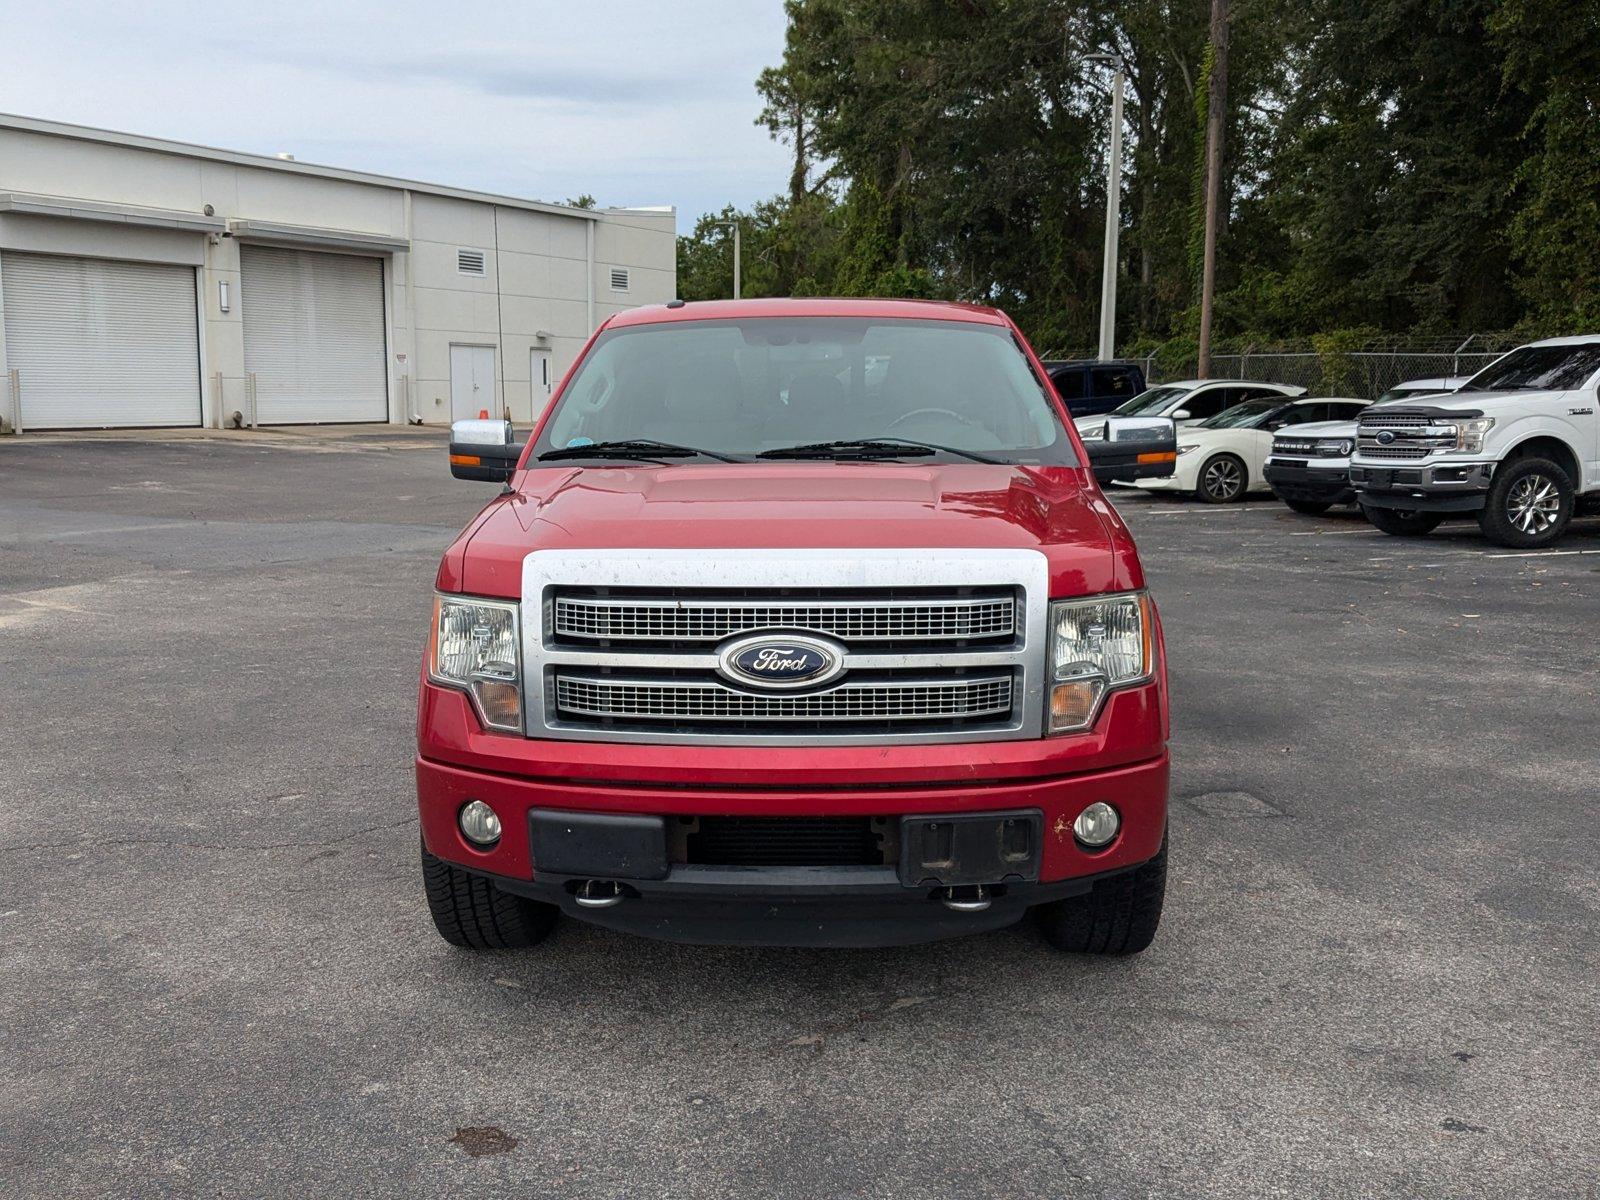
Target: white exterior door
{"x":543,"y":382}
{"x":314,"y":335}
{"x":98,"y":343}
{"x":472,"y":382}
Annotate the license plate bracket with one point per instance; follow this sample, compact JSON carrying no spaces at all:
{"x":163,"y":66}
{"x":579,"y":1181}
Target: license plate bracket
{"x":962,"y":849}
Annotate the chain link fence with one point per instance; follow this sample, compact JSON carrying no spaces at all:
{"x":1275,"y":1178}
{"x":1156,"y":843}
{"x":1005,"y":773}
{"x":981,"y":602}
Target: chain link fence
{"x":1364,"y":373}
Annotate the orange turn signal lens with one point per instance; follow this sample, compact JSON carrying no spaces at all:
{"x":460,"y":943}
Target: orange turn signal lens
{"x":1159,"y":456}
{"x":1073,"y":705}
{"x":500,"y":701}
{"x":465,"y":460}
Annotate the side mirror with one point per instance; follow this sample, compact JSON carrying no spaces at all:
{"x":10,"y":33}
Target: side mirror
{"x":486,"y":451}
{"x":1134,"y":448}
{"x":1182,"y":414}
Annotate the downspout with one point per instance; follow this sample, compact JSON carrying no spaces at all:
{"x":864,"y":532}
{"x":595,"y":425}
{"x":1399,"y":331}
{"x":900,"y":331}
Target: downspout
{"x":588,"y":255}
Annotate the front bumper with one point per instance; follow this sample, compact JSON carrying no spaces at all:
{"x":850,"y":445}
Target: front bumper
{"x":1122,"y":762}
{"x":1432,"y":487}
{"x":1314,"y":485}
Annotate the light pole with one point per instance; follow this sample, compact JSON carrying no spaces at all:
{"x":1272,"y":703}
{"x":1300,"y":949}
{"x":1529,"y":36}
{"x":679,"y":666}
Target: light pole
{"x":1108,"y":273}
{"x":733,"y":225}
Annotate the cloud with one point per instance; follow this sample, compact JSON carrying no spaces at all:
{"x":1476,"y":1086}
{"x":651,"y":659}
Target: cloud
{"x":634,"y":101}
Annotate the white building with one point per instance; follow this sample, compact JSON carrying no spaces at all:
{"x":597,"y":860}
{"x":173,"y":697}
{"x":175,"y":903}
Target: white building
{"x":152,"y":283}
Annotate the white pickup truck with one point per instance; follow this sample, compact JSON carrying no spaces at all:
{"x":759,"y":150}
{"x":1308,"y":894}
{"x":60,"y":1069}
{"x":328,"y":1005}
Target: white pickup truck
{"x":1518,"y":445}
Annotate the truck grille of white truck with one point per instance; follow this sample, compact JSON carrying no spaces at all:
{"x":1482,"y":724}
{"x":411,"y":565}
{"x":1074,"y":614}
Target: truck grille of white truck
{"x":621,"y":648}
{"x":1404,"y":436}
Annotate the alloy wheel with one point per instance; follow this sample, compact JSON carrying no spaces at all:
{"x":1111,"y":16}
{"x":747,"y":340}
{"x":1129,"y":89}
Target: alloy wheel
{"x":1223,"y":479}
{"x":1534,"y":504}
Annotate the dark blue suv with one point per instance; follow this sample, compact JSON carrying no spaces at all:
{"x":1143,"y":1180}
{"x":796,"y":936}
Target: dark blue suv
{"x":1090,"y":388}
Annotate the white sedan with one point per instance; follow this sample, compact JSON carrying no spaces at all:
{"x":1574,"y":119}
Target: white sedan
{"x":1224,"y":459}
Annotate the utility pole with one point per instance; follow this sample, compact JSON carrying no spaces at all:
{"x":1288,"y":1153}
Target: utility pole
{"x":733,"y":225}
{"x":1108,"y":270}
{"x":1216,"y":113}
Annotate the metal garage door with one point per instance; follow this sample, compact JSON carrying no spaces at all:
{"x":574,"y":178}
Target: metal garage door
{"x":99,"y":343}
{"x":313,"y":335}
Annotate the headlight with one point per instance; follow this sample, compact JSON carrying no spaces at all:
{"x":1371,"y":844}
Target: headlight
{"x":476,"y":648}
{"x":1334,"y":448}
{"x":1470,"y":434}
{"x":1182,"y":450}
{"x":1094,"y":433}
{"x":1095,"y":645}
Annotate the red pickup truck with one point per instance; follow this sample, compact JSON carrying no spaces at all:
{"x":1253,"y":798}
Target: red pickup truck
{"x":797,"y":622}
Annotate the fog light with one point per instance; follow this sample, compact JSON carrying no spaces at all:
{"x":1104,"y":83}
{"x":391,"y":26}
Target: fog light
{"x":1096,"y":825}
{"x":481,"y":827}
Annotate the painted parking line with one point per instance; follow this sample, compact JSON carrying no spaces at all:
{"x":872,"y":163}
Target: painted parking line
{"x":1542,"y":554}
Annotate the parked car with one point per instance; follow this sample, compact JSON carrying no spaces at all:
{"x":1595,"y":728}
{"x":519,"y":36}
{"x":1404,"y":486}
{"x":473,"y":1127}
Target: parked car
{"x":1088,"y":386}
{"x":1190,"y":401}
{"x":1412,"y":388}
{"x":1517,"y":446}
{"x":1308,"y":467}
{"x":1224,"y":459}
{"x":755,"y":648}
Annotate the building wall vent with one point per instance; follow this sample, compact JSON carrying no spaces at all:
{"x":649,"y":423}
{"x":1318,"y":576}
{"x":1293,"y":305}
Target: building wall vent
{"x":469,"y":262}
{"x":619,"y":279}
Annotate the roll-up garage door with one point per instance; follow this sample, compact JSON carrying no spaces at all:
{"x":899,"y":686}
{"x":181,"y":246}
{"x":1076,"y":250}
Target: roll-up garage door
{"x":99,"y":343}
{"x":313,"y":335}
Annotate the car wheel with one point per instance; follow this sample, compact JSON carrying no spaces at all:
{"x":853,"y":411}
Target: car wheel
{"x":470,"y":911}
{"x":1222,"y":479}
{"x":1403,"y":522}
{"x":1119,"y":917}
{"x":1530,"y":502}
{"x":1311,"y":508}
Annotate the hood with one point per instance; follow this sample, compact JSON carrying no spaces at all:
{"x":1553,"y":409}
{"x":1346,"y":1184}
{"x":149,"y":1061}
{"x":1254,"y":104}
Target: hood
{"x":1318,"y":429}
{"x":1454,"y":403}
{"x":1056,"y":510}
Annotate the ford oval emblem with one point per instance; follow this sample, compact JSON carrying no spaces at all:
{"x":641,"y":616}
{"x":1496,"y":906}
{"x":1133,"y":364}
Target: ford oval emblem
{"x":774,"y":662}
{"x":1385,"y":437}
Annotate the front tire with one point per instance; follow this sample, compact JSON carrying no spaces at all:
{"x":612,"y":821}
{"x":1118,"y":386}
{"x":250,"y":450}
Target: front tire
{"x":1311,"y":508}
{"x":1402,"y":522}
{"x":1530,"y":502}
{"x":1223,"y":479}
{"x":1118,"y":918}
{"x":471,"y":912}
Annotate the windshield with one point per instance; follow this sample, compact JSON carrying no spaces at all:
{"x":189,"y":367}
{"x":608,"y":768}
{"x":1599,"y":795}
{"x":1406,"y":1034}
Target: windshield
{"x":1538,"y":368}
{"x":1244,"y":416}
{"x":742,"y":387}
{"x":1148,"y":401}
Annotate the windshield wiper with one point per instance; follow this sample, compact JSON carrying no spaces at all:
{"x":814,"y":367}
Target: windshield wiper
{"x":641,"y":449}
{"x":881,"y":447}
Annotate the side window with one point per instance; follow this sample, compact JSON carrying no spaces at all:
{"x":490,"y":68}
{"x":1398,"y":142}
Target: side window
{"x":1069,"y":383}
{"x":1208,"y":402}
{"x":1304,"y":414}
{"x":1115,"y":382}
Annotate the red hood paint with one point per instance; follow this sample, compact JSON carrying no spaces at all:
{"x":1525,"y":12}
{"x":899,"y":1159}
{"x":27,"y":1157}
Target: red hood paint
{"x":1056,"y":510}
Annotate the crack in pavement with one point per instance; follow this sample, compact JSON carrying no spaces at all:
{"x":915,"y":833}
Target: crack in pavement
{"x":116,"y":843}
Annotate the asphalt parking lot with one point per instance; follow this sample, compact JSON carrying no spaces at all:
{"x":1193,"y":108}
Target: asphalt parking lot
{"x":1379,"y":972}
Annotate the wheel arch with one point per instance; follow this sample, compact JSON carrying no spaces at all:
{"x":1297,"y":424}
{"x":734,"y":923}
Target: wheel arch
{"x":1545,"y":445}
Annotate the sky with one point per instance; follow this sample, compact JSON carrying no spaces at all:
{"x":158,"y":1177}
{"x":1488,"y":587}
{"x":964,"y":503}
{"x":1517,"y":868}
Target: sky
{"x":636,"y":103}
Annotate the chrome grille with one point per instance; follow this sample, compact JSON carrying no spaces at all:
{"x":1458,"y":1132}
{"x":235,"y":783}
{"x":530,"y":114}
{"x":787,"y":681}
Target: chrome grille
{"x":867,"y":702}
{"x":700,"y":619}
{"x":937,"y":645}
{"x":1406,"y":452}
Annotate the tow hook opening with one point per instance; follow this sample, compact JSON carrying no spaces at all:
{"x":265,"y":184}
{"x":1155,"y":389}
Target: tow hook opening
{"x":599,"y":893}
{"x":972,"y":898}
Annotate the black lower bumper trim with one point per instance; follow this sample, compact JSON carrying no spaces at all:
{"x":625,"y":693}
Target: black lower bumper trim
{"x":1415,"y":501}
{"x":1314,"y":487}
{"x":793,"y":906}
